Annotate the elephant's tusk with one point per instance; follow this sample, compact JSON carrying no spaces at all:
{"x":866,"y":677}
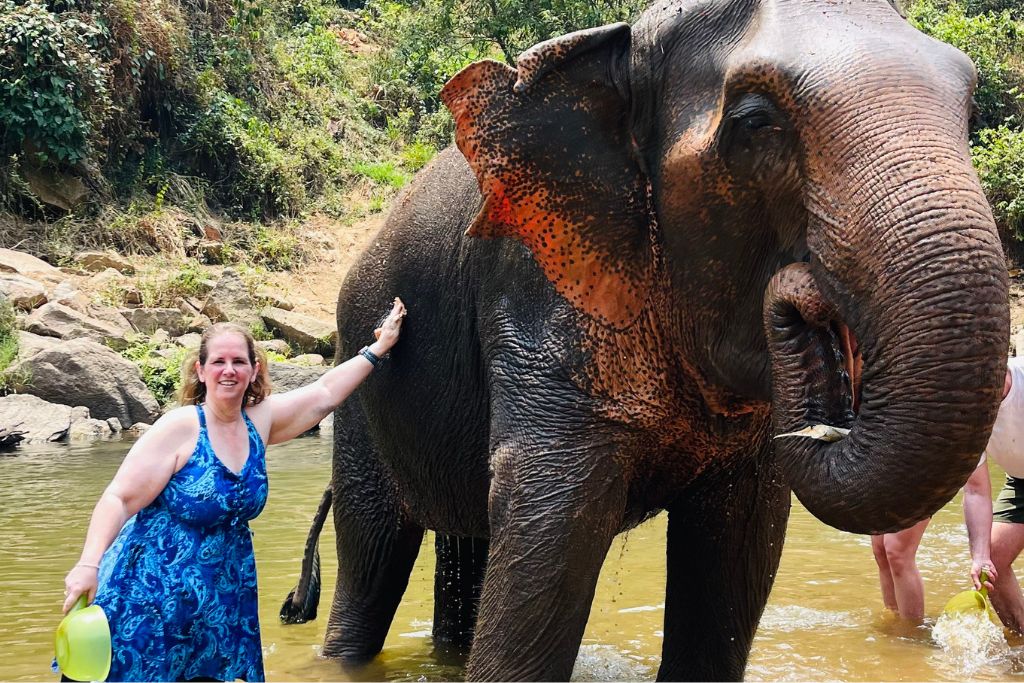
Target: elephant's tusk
{"x":819,"y":432}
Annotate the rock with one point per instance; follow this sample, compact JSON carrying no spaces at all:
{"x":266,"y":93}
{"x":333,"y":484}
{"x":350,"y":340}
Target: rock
{"x":69,"y":295}
{"x":30,"y":344}
{"x":115,"y":425}
{"x":105,"y":278}
{"x":307,"y":334}
{"x":79,"y":413}
{"x":85,"y":373}
{"x":1018,"y":342}
{"x":285,"y":376}
{"x":189,"y":341}
{"x":23,"y":292}
{"x":326,"y":425}
{"x":197,"y":324}
{"x":25,"y":264}
{"x":62,"y":190}
{"x":39,"y":420}
{"x":210,"y":251}
{"x":274,"y":299}
{"x":57,"y":320}
{"x":95,"y":261}
{"x":139,"y":428}
{"x":89,"y":429}
{"x":276,"y":345}
{"x":308,"y":359}
{"x":149,"y":320}
{"x":230,"y":300}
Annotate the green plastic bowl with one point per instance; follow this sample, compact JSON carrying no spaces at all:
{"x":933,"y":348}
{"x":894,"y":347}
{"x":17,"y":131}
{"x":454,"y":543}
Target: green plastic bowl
{"x":969,"y":601}
{"x":83,"y":643}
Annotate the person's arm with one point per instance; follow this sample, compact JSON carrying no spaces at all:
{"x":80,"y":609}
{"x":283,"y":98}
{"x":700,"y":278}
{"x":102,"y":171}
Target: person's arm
{"x":978,"y":518}
{"x":143,"y":474}
{"x":294,"y":412}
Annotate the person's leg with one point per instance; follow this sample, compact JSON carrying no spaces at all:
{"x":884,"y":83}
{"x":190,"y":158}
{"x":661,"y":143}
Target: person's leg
{"x":901,"y":553}
{"x":884,"y":572}
{"x":1007,"y":543}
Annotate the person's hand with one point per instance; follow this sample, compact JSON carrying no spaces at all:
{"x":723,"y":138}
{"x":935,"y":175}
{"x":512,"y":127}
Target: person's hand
{"x":387,"y":333}
{"x":979,"y":564}
{"x":80,"y":580}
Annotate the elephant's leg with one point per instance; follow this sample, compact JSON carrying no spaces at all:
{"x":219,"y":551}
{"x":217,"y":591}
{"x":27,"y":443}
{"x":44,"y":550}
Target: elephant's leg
{"x":376,"y":544}
{"x":724,"y":544}
{"x":458,"y":579}
{"x":554,"y":510}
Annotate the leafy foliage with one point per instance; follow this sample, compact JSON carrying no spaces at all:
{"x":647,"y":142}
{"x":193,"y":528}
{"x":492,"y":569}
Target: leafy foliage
{"x":999,"y":158}
{"x":53,"y":87}
{"x":995,"y":43}
{"x":8,"y":341}
{"x":160,"y":368}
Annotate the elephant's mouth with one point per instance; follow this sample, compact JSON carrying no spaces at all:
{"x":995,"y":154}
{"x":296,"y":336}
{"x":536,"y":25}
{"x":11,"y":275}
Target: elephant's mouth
{"x":853,"y":363}
{"x":818,"y":365}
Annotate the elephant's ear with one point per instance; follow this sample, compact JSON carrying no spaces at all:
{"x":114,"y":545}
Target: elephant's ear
{"x":552,"y":151}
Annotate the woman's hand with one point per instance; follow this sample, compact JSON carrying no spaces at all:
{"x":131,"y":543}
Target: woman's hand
{"x":387,"y":333}
{"x":983,"y":563}
{"x":81,"y":580}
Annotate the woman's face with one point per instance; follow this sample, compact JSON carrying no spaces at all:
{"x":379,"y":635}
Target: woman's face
{"x":227,"y":371}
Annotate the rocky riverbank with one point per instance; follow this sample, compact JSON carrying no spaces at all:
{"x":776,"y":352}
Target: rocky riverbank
{"x":94,"y":359}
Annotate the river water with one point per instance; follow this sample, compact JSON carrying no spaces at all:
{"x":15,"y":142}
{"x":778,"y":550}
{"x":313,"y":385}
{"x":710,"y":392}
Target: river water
{"x":824,"y":620}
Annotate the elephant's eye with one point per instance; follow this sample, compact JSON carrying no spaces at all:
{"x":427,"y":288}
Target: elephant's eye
{"x":756,"y":121}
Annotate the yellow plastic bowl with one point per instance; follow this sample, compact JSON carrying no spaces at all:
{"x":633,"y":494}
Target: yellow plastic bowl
{"x":83,"y":643}
{"x":970,"y":601}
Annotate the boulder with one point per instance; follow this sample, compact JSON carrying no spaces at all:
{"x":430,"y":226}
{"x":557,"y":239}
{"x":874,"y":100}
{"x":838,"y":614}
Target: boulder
{"x":89,"y":428}
{"x":57,"y":320}
{"x":115,"y":425}
{"x":230,"y":300}
{"x":285,"y":376}
{"x":149,"y":320}
{"x":38,"y":420}
{"x":189,"y":341}
{"x":96,"y":261}
{"x":19,"y":262}
{"x":66,"y":293}
{"x":139,"y":428}
{"x":30,"y":344}
{"x":23,"y":292}
{"x":274,"y":299}
{"x":308,"y":359}
{"x":85,"y":373}
{"x":304,"y":333}
{"x":276,"y":345}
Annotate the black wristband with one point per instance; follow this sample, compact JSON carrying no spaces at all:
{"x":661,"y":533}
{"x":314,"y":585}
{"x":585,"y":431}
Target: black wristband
{"x":369,"y":355}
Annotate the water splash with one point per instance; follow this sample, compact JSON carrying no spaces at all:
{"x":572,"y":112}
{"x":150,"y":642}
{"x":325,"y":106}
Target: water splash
{"x":608,"y":663}
{"x":970,"y":642}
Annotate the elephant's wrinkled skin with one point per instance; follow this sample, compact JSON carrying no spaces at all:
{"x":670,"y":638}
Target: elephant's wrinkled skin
{"x":738,"y":212}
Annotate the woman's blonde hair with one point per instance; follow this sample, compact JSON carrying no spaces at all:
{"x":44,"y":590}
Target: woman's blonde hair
{"x":193,"y":391}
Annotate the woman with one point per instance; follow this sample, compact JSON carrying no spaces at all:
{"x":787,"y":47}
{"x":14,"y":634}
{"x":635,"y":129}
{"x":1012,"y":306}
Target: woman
{"x":179,"y":582}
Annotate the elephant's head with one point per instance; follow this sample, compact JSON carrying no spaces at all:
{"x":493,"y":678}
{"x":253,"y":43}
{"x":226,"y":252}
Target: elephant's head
{"x":792,"y":181}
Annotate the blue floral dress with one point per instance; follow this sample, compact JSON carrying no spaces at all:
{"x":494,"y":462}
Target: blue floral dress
{"x":179,"y":583}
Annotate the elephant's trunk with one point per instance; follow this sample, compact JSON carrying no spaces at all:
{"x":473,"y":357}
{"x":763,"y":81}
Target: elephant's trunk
{"x":924,"y":297}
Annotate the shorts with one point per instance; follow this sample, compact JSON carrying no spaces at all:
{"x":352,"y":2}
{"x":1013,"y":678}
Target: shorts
{"x":1009,"y":504}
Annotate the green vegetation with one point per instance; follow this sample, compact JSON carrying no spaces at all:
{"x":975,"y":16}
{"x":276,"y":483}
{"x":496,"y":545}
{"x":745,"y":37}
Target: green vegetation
{"x":991,"y":33}
{"x":160,"y":368}
{"x":263,"y":112}
{"x":8,"y":342}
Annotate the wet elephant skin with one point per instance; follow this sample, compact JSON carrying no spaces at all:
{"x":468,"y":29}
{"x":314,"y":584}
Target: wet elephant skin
{"x":654,"y":248}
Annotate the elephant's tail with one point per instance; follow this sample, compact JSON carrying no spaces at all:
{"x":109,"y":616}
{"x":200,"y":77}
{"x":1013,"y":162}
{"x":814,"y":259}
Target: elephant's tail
{"x":301,"y":603}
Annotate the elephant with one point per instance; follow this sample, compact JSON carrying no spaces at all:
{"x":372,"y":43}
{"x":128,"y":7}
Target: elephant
{"x":734,"y":251}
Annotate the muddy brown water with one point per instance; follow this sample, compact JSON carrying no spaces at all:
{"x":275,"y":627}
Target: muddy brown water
{"x":824,"y":620}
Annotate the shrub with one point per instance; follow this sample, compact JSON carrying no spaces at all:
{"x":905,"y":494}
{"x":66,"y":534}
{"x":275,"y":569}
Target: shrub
{"x":994,"y":42}
{"x":8,"y":342}
{"x":161,"y":373}
{"x":999,"y":158}
{"x":53,"y":92}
